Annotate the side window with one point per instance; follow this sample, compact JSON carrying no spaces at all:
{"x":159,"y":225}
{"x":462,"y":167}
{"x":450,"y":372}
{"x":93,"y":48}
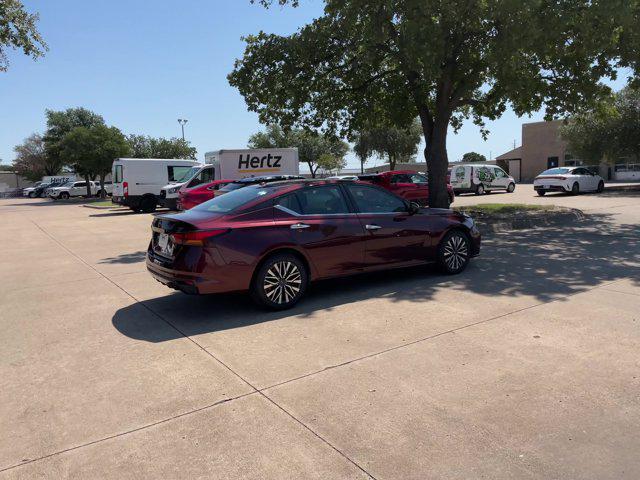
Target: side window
{"x":375,"y":200}
{"x":176,"y":172}
{"x":458,"y":174}
{"x":400,"y":178}
{"x":579,"y":171}
{"x":418,"y":178}
{"x":499,"y":173}
{"x":290,"y":202}
{"x":80,"y":184}
{"x":322,"y":200}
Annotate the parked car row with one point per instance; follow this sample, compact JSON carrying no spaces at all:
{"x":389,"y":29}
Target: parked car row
{"x":274,"y":237}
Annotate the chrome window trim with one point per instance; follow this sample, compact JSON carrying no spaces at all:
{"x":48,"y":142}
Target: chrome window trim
{"x":296,"y":214}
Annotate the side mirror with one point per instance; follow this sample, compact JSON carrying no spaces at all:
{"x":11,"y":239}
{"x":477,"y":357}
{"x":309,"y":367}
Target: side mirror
{"x":413,"y":208}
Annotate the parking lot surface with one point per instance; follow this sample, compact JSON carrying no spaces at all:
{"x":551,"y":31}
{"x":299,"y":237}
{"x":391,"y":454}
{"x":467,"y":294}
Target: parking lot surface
{"x":524,"y":366}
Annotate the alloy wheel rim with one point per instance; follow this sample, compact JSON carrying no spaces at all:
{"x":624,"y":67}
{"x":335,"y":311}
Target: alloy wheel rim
{"x":455,"y":252}
{"x":282,"y":282}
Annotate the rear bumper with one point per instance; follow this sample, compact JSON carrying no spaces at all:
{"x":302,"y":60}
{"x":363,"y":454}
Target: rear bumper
{"x":550,"y":188}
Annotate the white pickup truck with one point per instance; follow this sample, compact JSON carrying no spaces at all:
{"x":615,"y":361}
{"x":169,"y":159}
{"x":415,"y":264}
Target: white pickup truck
{"x":72,"y":189}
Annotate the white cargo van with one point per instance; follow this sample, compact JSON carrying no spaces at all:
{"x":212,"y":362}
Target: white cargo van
{"x":479,"y":179}
{"x":137,"y":182}
{"x":234,"y":165}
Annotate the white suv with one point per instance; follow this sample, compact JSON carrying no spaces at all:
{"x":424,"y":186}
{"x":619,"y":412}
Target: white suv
{"x":72,"y":189}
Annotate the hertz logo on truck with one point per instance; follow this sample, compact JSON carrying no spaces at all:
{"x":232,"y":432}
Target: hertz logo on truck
{"x":246,"y":162}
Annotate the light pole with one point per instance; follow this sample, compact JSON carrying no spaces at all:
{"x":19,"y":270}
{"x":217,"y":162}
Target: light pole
{"x":182,"y":122}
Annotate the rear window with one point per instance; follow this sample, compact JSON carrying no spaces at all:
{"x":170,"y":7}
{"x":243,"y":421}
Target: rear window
{"x":176,"y":173}
{"x":235,"y":199}
{"x":229,"y":187}
{"x":117,"y":174}
{"x":556,"y":171}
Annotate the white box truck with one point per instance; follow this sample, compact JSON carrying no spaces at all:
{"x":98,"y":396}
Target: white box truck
{"x":233,"y":165}
{"x":137,"y":182}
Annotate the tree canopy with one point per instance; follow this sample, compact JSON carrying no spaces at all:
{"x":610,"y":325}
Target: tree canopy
{"x":392,"y":143}
{"x":144,"y":146}
{"x":32,"y":161}
{"x":473,"y":157}
{"x":608,"y":131}
{"x":18,"y":31}
{"x":442,"y":61}
{"x":91,"y":151}
{"x":314,"y":149}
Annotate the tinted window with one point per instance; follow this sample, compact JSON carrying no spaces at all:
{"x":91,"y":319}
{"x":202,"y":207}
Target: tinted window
{"x":204,"y":176}
{"x":374,"y":200}
{"x":234,"y":200}
{"x":80,"y":184}
{"x":555,"y":171}
{"x":322,"y":200}
{"x":400,"y":178}
{"x":499,"y":173}
{"x":176,"y":173}
{"x":290,"y":202}
{"x":117,"y":177}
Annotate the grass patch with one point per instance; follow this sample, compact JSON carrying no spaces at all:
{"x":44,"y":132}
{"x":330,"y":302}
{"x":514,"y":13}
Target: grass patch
{"x":505,"y":208}
{"x":103,"y":203}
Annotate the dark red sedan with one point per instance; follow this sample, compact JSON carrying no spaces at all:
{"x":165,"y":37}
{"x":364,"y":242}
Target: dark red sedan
{"x":190,"y":197}
{"x":273,"y":239}
{"x":407,"y":184}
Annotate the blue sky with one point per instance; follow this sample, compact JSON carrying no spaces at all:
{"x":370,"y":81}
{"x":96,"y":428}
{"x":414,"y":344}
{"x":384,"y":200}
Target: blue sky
{"x":142,"y":65}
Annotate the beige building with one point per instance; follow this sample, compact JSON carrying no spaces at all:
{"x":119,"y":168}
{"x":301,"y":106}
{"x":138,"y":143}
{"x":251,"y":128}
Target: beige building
{"x":542,"y":148}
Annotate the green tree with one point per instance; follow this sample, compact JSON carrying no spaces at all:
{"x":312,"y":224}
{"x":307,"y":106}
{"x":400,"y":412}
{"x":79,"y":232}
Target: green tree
{"x":143,"y":146}
{"x":473,"y":157}
{"x":32,"y":161}
{"x":311,"y":145}
{"x":59,"y":124}
{"x":91,"y":151}
{"x":18,"y":31}
{"x":442,"y":61}
{"x":331,"y":163}
{"x":362,"y":147}
{"x":395,"y":144}
{"x":608,"y":131}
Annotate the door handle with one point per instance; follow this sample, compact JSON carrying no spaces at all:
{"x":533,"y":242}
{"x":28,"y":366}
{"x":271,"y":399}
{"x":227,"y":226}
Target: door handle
{"x":299,"y":226}
{"x":372,"y":227}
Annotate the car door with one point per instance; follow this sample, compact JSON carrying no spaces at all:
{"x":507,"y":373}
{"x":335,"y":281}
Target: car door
{"x":584,"y":179}
{"x":420,"y":194}
{"x":401,"y":185}
{"x":394,"y":236}
{"x":78,"y":188}
{"x":501,"y":179}
{"x":323,"y":225}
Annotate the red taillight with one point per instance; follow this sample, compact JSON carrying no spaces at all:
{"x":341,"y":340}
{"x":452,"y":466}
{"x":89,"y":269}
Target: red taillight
{"x":125,"y":189}
{"x":196,"y":238}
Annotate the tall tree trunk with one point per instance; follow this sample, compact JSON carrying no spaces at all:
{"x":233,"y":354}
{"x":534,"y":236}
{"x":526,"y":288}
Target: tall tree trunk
{"x":435,"y":154}
{"x":392,"y":162}
{"x":103,"y":193}
{"x":313,"y":172}
{"x":86,"y":179}
{"x":362,"y":166}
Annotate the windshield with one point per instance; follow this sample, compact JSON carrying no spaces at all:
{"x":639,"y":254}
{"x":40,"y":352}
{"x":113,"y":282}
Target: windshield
{"x":233,"y":200}
{"x":555,"y":171}
{"x":187,"y":175}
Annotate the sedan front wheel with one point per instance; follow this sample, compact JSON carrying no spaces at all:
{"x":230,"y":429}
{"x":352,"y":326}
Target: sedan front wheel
{"x":280,"y":282}
{"x":454,"y":252}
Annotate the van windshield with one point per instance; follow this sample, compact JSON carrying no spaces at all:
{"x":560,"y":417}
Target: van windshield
{"x":235,"y":199}
{"x":188,"y":174}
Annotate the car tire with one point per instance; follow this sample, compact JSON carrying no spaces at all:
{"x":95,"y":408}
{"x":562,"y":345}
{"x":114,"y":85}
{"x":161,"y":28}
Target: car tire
{"x":511,"y":187}
{"x":64,"y":195}
{"x":280,"y":282}
{"x":541,"y":193}
{"x":575,"y":189}
{"x":32,"y":194}
{"x":480,"y":189}
{"x":454,"y":252}
{"x":600,"y":188}
{"x":148,"y":204}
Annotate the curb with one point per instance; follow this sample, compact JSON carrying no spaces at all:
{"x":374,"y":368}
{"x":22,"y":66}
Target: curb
{"x":621,"y":188}
{"x":101,"y":207}
{"x":499,"y":223}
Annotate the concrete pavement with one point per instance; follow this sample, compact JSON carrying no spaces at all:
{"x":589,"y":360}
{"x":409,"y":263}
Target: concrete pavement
{"x":525,"y":366}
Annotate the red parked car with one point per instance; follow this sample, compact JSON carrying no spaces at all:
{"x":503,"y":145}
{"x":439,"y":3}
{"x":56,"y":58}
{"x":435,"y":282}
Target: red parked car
{"x":274,"y":239}
{"x":190,"y":197}
{"x":408,"y":184}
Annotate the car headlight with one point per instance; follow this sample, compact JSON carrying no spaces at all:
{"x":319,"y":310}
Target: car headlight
{"x":174,"y":190}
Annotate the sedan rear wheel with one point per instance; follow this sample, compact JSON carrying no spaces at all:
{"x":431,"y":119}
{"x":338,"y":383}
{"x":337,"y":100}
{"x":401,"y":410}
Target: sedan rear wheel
{"x":600,"y":187}
{"x":453,"y":252}
{"x":575,"y":189}
{"x":280,"y":282}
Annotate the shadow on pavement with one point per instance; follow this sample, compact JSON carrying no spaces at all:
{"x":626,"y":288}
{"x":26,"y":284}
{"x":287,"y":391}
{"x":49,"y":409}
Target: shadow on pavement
{"x":125,"y":258}
{"x":544,"y":263}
